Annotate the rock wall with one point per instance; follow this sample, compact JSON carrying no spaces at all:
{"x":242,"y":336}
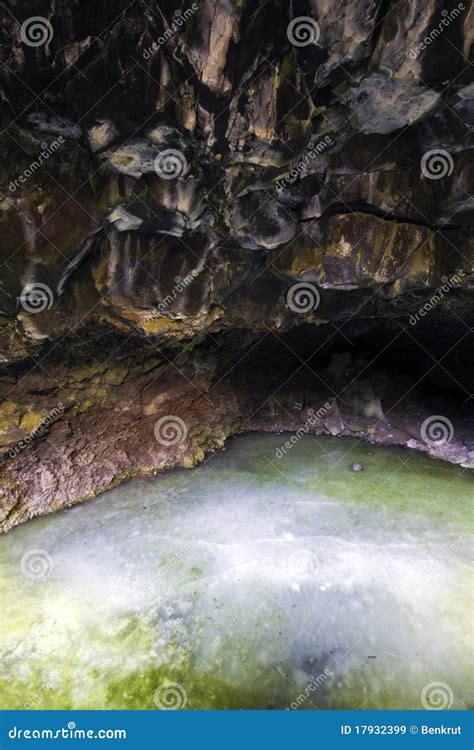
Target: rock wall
{"x":180,"y":180}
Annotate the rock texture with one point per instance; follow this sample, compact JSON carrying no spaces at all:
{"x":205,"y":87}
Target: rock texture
{"x":171,"y":173}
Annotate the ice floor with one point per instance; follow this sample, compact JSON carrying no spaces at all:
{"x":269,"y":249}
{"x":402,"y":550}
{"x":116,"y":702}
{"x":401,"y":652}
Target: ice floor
{"x":250,"y":582}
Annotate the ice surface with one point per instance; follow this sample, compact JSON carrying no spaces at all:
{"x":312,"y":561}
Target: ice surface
{"x":251,"y":582}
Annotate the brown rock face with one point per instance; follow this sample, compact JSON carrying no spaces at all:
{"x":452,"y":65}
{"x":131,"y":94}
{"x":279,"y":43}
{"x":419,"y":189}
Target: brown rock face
{"x":186,"y":185}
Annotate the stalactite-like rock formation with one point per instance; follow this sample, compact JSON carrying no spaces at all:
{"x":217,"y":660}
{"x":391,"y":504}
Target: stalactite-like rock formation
{"x":171,"y":174}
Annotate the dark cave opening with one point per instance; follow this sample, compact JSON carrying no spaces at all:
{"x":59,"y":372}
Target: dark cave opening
{"x":437,"y":354}
{"x":401,"y":366}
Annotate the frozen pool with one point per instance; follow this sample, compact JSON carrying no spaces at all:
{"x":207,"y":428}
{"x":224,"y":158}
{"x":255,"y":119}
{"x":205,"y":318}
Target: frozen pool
{"x":250,"y":582}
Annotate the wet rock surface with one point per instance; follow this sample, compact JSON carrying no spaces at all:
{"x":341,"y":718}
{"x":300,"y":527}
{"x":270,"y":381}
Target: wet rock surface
{"x":171,"y":176}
